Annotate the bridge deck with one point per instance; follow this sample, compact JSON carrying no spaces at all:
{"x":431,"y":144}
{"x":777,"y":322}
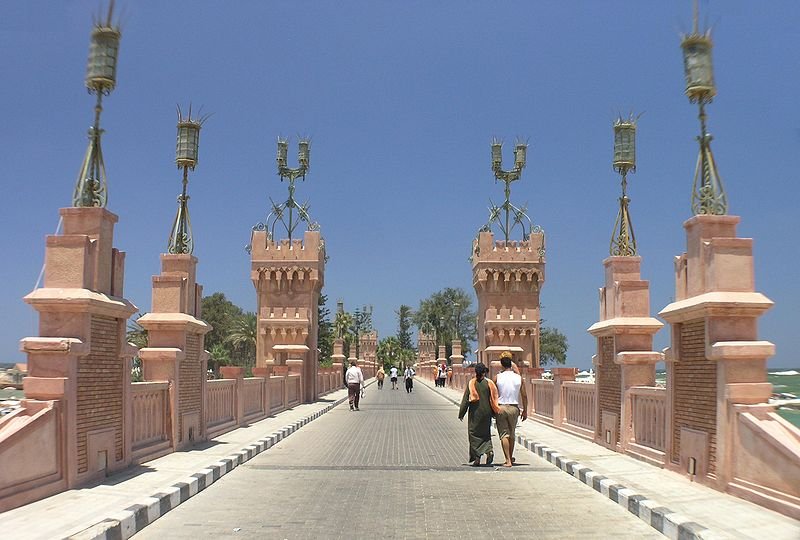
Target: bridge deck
{"x":396,"y":469}
{"x":398,"y":466}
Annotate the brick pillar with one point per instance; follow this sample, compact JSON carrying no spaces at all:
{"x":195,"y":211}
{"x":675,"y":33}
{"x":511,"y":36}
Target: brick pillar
{"x":175,"y":349}
{"x":716,"y":364}
{"x":624,"y":348}
{"x":82,"y":359}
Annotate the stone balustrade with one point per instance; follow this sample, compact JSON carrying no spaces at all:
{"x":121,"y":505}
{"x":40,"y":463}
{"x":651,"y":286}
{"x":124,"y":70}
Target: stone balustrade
{"x":151,"y":430}
{"x":579,"y":400}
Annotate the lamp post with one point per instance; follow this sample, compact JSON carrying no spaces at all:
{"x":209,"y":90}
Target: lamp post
{"x":507,"y":215}
{"x":708,"y":192}
{"x":623,"y":240}
{"x":186,"y":154}
{"x":91,"y":189}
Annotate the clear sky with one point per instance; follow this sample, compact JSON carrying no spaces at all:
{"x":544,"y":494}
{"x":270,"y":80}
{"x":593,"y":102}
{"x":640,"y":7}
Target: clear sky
{"x":402,"y":100}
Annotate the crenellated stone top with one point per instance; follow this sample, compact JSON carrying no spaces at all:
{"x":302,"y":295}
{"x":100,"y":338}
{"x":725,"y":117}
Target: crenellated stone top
{"x":486,"y":249}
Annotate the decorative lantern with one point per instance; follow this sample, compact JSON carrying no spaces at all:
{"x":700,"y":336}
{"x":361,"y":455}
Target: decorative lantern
{"x":303,"y":153}
{"x":188,"y":143}
{"x":520,"y":155}
{"x":101,"y":70}
{"x":283,"y":152}
{"x":497,"y":154}
{"x":698,"y":67}
{"x":625,"y":145}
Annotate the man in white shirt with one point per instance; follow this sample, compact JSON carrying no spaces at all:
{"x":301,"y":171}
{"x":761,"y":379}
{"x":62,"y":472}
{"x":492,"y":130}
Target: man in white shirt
{"x":409,"y":376}
{"x":355,"y":382}
{"x":510,"y":395}
{"x":393,"y":377}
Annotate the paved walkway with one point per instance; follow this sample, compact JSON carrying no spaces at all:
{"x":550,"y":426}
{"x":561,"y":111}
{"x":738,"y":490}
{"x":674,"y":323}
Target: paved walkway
{"x":396,"y":469}
{"x":99,"y":511}
{"x":662,"y":495}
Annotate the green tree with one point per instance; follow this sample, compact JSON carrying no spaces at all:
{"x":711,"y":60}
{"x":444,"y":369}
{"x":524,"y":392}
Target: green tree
{"x":404,"y":326}
{"x":220,"y":356}
{"x":343,"y":324}
{"x":552,"y":347}
{"x":447,"y":314}
{"x":242,"y":338}
{"x":389,"y":352}
{"x":222,"y":315}
{"x":325,"y":331}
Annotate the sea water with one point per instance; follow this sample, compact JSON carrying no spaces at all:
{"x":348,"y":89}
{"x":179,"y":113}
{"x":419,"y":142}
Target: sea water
{"x":787,"y":381}
{"x":784,"y":381}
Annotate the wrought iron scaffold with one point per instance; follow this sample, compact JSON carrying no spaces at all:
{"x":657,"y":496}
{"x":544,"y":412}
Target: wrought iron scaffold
{"x":91,"y":188}
{"x":708,"y":191}
{"x":508,"y":216}
{"x":186,"y":154}
{"x":288,"y":213}
{"x":623,"y":239}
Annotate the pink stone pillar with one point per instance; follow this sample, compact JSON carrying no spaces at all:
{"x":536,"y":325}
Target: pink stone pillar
{"x":624,"y":348}
{"x":288,"y":276}
{"x":175,"y":349}
{"x":560,"y":376}
{"x":236,"y":373}
{"x":508,"y":277}
{"x":264,"y":373}
{"x":83,"y":354}
{"x":716,"y":358}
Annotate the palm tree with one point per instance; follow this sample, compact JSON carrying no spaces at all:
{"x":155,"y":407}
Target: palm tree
{"x":243,"y":338}
{"x":137,"y":336}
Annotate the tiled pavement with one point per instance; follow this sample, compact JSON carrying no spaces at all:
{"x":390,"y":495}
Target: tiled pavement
{"x":396,"y":469}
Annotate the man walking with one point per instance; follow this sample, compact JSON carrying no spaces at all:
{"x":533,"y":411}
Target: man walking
{"x":409,"y":377}
{"x":480,"y":400}
{"x":355,"y":382}
{"x":510,"y":394}
{"x":393,"y":377}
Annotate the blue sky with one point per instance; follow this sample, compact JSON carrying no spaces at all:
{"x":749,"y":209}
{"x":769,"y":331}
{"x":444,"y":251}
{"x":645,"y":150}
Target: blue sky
{"x":402,"y":100}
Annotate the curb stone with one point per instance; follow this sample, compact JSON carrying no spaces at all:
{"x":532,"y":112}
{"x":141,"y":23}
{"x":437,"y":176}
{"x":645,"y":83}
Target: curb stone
{"x":671,"y":524}
{"x":124,"y":524}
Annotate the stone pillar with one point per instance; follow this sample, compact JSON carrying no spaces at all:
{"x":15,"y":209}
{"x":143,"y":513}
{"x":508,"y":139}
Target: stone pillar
{"x":175,"y":349}
{"x":624,"y":348}
{"x":507,"y":277}
{"x":716,"y":363}
{"x":288,"y":277}
{"x":82,"y":358}
{"x":456,"y":358}
{"x":560,"y":376}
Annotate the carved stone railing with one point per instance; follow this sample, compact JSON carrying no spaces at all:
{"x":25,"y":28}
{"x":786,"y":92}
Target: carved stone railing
{"x":151,"y":430}
{"x":220,"y":405}
{"x":543,"y":398}
{"x":293,"y":391}
{"x":648,"y":416}
{"x":579,"y":405}
{"x":255,"y":397}
{"x":277,"y":385}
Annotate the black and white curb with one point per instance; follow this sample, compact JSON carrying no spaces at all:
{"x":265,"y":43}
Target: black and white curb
{"x":133,"y":519}
{"x":671,"y":524}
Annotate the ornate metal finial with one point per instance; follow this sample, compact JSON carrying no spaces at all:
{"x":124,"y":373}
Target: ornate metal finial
{"x":91,"y":188}
{"x":186,"y":151}
{"x":623,"y":241}
{"x":513,"y":215}
{"x":284,"y":213}
{"x":708,"y":192}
